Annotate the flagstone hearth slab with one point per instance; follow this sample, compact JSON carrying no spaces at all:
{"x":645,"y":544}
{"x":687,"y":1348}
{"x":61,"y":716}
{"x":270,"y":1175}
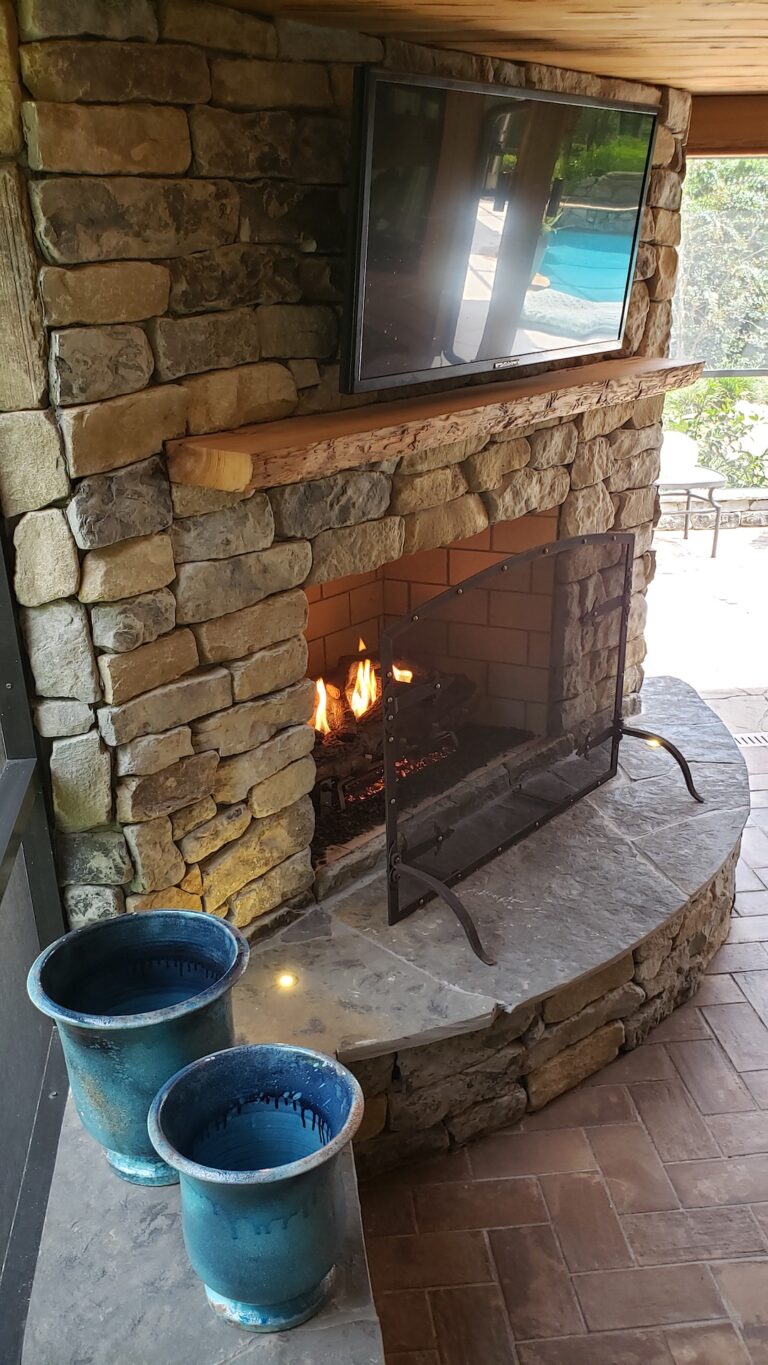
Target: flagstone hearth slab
{"x":113,"y":1285}
{"x":600,"y":924}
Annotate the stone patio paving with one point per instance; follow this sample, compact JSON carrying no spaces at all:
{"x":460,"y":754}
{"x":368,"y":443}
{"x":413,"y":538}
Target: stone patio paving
{"x":627,"y":1223}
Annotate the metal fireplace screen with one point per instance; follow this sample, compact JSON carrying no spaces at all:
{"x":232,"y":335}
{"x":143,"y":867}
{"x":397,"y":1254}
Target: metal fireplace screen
{"x":502,"y":707}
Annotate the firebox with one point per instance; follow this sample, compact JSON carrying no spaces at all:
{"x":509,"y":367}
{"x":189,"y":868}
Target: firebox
{"x":485,"y":706}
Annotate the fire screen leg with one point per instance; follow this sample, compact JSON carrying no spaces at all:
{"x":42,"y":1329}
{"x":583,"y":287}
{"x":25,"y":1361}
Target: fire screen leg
{"x":658,"y":741}
{"x":452,"y":901}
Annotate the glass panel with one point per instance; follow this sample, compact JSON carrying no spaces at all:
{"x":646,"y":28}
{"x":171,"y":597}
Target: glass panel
{"x":500,"y":702}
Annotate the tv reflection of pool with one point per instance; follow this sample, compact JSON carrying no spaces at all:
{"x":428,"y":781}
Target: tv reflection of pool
{"x":586,"y":265}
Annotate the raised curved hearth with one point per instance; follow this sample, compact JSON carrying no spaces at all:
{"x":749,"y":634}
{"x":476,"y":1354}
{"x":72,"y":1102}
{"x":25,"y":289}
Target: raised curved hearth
{"x":601,"y":923}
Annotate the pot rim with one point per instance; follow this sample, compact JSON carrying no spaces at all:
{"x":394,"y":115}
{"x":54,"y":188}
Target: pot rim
{"x":269,"y":1174}
{"x":117,"y":1022}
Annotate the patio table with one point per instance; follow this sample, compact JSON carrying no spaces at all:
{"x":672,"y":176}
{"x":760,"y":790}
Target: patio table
{"x":681,"y":474}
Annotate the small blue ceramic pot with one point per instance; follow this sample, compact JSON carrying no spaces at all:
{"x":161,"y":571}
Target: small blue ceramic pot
{"x":136,"y":998}
{"x":255,"y":1134}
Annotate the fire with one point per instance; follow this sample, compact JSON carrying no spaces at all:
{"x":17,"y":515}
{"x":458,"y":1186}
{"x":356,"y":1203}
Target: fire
{"x":327,"y":707}
{"x":362,"y":690}
{"x":404,"y":675}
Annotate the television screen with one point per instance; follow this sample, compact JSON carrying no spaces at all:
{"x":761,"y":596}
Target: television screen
{"x":495,"y":227}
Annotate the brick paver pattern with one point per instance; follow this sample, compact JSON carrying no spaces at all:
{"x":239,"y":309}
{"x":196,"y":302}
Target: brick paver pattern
{"x":625,"y":1224}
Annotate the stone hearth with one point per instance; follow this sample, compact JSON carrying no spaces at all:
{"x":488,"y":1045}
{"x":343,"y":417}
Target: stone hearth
{"x":601,"y":924}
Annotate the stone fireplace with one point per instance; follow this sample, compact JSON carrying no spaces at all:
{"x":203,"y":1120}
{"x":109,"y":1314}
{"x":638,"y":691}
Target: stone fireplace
{"x":172,"y":226}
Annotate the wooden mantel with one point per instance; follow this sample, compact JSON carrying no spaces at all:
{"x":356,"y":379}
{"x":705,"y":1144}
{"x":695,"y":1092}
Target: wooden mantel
{"x":300,"y":448}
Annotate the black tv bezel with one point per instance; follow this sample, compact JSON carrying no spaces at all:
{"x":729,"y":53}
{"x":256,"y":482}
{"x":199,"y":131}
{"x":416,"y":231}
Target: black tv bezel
{"x":367,"y":80}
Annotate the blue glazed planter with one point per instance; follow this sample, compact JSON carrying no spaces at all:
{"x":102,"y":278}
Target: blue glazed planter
{"x":255,"y":1133}
{"x":136,"y":998}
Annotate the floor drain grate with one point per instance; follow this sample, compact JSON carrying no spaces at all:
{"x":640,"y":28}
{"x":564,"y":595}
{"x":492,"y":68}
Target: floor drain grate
{"x":757,"y":741}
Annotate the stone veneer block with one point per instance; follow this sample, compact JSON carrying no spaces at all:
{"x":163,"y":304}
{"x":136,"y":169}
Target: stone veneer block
{"x":227,"y":825}
{"x":189,"y":501}
{"x":487,"y":468}
{"x":115,"y":291}
{"x":231,"y":398}
{"x":207,"y":25}
{"x":269,"y":669}
{"x":574,"y":1064}
{"x":563,"y":81}
{"x":119,"y":626}
{"x":241,"y":84}
{"x":616,"y":1004}
{"x":637,"y":312}
{"x":662,"y":285}
{"x":457,"y":520}
{"x":47,"y":564}
{"x":241,"y":632}
{"x":236,"y":776}
{"x":146,"y":798}
{"x":455,"y":452}
{"x":675,"y":110}
{"x":631,"y":440}
{"x":202,"y":588}
{"x":89,"y":18}
{"x":280,"y":211}
{"x":290,"y":878}
{"x":665,"y":190}
{"x":189,"y":817}
{"x":170,"y":898}
{"x":127,"y":675}
{"x":91,"y":72}
{"x":11,"y":140}
{"x":634,"y":507}
{"x":166,"y":707}
{"x":32,"y":468}
{"x":229,"y":276}
{"x":357,"y":549}
{"x":60,"y":652}
{"x":658,"y":326}
{"x":57,"y":717}
{"x":305,"y":509}
{"x":587,"y":511}
{"x":97,"y":858}
{"x":91,"y":363}
{"x":647,"y":412}
{"x":294,"y":331}
{"x":91,"y":904}
{"x":413,"y":492}
{"x":553,"y":445}
{"x":208,"y":341}
{"x":283,"y":788}
{"x":243,"y":146}
{"x":89,"y":219}
{"x":152,"y":753}
{"x":23,"y":379}
{"x":636,"y":471}
{"x":156,"y":859}
{"x":237,"y":530}
{"x":242,"y":727}
{"x":592,"y":462}
{"x":132,"y":566}
{"x":666,"y":227}
{"x":135,"y":501}
{"x":81,"y":782}
{"x":264,"y":844}
{"x":604,"y":419}
{"x":106,"y":139}
{"x":309,"y":42}
{"x":122,"y":431}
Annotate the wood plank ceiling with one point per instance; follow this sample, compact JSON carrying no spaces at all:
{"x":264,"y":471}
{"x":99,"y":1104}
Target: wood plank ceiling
{"x":707,"y":46}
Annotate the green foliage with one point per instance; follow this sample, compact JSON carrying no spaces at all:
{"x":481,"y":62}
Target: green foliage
{"x":713,"y":413}
{"x":721,"y":306}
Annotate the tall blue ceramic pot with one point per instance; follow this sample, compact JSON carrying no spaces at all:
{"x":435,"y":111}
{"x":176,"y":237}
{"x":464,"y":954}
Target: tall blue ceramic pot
{"x":136,"y":998}
{"x":255,"y":1134}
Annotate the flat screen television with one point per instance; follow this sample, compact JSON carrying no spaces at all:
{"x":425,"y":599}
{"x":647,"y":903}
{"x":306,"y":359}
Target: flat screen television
{"x":494,"y":227}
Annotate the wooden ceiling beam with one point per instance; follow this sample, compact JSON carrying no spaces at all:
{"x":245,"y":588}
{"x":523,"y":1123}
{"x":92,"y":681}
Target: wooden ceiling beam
{"x":713,"y":48}
{"x":729,"y":125}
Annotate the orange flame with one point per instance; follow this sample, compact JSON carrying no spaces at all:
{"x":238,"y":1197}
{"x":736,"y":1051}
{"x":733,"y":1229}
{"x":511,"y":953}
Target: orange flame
{"x":362,"y":690}
{"x":404,"y":675}
{"x":320,"y":714}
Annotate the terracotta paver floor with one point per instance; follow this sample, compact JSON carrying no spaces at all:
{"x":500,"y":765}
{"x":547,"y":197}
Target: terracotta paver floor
{"x":625,"y":1224}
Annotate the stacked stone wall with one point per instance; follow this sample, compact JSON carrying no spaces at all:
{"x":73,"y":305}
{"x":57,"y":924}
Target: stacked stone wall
{"x":173,"y":197}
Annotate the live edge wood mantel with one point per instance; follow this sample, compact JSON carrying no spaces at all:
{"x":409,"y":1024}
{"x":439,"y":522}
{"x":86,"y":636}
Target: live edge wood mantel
{"x":300,"y":448}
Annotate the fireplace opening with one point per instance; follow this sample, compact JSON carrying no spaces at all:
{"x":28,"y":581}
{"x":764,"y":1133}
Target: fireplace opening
{"x":462,"y":697}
